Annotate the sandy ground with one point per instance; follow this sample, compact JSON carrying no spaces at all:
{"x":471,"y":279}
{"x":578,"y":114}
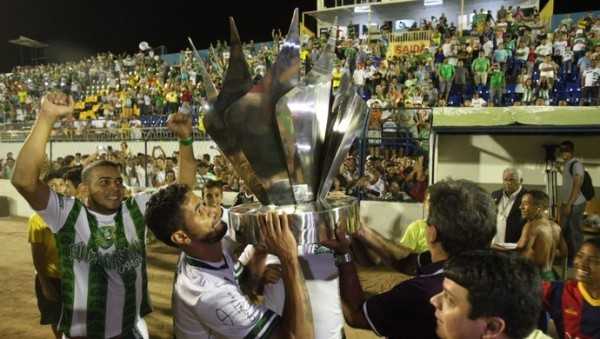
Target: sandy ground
{"x":19,"y":317}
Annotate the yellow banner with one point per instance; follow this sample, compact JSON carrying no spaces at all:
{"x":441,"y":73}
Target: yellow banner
{"x":408,"y":47}
{"x":547,"y":12}
{"x":408,"y":42}
{"x":305,"y":31}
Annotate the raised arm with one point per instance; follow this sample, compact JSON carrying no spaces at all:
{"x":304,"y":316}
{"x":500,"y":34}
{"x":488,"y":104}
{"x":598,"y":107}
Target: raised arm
{"x":181,"y":125}
{"x":296,"y":319}
{"x":31,"y":157}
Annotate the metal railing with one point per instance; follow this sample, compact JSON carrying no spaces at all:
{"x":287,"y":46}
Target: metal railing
{"x":99,"y":134}
{"x":408,"y":36}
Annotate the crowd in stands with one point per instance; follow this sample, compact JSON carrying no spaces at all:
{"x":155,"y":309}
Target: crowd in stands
{"x":504,"y":59}
{"x":401,"y":178}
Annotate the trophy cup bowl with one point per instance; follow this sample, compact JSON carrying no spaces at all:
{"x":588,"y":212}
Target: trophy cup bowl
{"x":310,"y":222}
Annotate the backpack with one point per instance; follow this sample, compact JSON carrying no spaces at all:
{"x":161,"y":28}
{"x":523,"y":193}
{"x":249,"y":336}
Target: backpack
{"x":587,"y":188}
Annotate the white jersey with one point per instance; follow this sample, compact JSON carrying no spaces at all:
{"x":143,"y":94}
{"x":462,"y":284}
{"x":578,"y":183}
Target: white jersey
{"x":208,"y":303}
{"x":102,"y":258}
{"x":322,"y":284}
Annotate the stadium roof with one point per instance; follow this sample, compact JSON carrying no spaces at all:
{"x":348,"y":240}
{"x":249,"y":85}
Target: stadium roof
{"x":28,"y":42}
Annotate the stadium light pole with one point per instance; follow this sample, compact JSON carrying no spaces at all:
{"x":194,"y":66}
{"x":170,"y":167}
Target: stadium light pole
{"x":462,"y":16}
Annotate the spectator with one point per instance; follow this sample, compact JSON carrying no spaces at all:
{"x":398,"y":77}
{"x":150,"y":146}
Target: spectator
{"x":489,"y":295}
{"x":509,"y":221}
{"x":497,"y":85}
{"x":573,"y":201}
{"x":480,"y":68}
{"x":573,"y":304}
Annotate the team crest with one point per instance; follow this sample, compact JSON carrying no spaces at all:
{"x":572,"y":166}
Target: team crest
{"x":105,"y":236}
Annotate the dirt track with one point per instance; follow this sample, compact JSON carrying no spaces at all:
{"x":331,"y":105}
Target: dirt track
{"x":19,"y":316}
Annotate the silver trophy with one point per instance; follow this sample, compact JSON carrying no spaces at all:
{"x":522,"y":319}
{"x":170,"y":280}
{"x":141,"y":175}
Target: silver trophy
{"x":286,"y":137}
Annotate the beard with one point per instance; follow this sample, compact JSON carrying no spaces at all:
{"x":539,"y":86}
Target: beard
{"x":217,"y":235}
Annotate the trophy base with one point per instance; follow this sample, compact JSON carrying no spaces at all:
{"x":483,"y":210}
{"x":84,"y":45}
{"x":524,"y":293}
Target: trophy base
{"x":310,"y":222}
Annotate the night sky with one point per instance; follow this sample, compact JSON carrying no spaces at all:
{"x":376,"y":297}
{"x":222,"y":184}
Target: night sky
{"x":76,"y":28}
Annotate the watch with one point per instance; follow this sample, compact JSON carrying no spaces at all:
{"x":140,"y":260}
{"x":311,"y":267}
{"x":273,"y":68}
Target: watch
{"x":341,"y":259}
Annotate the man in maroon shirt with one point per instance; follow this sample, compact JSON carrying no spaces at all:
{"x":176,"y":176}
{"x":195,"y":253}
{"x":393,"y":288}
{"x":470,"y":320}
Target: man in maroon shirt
{"x":462,"y":217}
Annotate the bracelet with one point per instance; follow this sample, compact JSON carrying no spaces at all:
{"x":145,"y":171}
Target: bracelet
{"x":341,"y":259}
{"x":187,"y":141}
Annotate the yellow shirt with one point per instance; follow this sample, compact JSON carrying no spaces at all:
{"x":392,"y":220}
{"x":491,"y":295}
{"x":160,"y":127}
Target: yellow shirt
{"x":414,"y":236}
{"x":304,"y":54}
{"x":336,"y":76}
{"x":22,"y":96}
{"x":39,"y":233}
{"x":172,"y":97}
{"x":537,"y":334}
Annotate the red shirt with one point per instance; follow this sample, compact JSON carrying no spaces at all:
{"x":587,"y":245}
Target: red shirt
{"x":575,"y":313}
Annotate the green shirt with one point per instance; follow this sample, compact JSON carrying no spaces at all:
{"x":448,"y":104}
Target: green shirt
{"x":446,"y":71}
{"x":497,"y":79}
{"x":481,"y":64}
{"x":414,"y":236}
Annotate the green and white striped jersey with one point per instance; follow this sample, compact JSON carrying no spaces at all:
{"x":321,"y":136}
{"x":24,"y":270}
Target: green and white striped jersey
{"x":103,"y":268}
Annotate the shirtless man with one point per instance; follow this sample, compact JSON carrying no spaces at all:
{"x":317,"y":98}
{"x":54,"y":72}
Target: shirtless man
{"x":540,"y":240}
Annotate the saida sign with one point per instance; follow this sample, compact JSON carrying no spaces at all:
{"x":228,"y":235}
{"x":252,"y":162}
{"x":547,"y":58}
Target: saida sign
{"x":411,"y":42}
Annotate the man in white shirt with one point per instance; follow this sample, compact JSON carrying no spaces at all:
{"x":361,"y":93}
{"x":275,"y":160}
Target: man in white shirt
{"x":509,"y":221}
{"x":590,"y":81}
{"x":543,"y":50}
{"x":207,"y":299}
{"x":101,"y":242}
{"x":360,"y":78}
{"x":488,"y":47}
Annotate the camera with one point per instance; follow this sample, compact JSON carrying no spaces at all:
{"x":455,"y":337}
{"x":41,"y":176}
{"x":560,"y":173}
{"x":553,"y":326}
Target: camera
{"x":550,"y":151}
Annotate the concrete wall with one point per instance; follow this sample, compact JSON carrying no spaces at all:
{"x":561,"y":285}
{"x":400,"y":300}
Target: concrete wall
{"x":482,"y":158}
{"x":388,"y":218}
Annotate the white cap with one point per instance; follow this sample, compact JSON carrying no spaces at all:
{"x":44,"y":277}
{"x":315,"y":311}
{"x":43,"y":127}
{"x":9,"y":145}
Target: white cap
{"x":144,"y":46}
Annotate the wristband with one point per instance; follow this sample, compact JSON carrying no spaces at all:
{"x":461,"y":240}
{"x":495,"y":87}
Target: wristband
{"x":341,"y":259}
{"x":187,"y":141}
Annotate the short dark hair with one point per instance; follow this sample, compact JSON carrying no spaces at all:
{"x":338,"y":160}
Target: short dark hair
{"x":540,"y":199}
{"x":214,"y":184}
{"x":568,"y":146}
{"x":463,"y":214}
{"x":499,"y":285}
{"x":73,"y":175}
{"x":163,"y":212}
{"x":87,"y":170}
{"x":68,"y":159}
{"x":58,"y":174}
{"x":595,"y":241}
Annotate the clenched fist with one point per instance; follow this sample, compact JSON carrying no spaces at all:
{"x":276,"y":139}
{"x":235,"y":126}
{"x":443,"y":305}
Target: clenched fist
{"x":55,"y":105}
{"x":180,"y":124}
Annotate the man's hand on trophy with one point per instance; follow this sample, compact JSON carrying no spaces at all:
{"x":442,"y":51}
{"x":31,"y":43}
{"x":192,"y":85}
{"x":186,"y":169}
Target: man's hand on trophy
{"x":277,"y":236}
{"x":339,"y":242}
{"x":180,"y":124}
{"x":55,"y":105}
{"x":271,"y":275}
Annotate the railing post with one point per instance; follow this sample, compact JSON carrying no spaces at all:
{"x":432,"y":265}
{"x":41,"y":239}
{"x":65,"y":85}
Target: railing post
{"x":146,"y":162}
